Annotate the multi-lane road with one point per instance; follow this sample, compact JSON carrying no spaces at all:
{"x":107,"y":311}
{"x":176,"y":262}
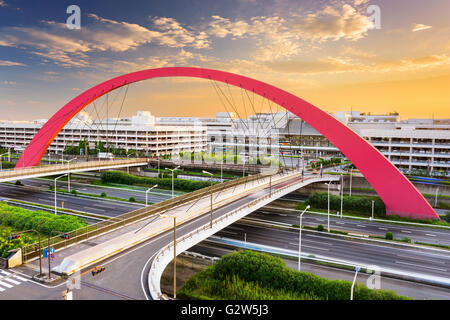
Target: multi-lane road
{"x":126,"y":273}
{"x":400,"y":231}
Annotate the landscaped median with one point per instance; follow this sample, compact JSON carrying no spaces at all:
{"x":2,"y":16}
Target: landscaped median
{"x":360,"y":206}
{"x":14,"y":219}
{"x":248,"y":275}
{"x":163,"y":183}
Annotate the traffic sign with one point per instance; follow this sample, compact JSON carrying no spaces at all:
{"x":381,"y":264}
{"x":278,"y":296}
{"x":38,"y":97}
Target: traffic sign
{"x":44,"y":253}
{"x":52,"y":250}
{"x":52,"y":256}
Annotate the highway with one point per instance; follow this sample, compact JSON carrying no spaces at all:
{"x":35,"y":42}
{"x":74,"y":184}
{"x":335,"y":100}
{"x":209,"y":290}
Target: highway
{"x":96,"y":206}
{"x":153,"y":196}
{"x":430,"y":262}
{"x":126,"y":274}
{"x":422,"y":234}
{"x":401,"y":287}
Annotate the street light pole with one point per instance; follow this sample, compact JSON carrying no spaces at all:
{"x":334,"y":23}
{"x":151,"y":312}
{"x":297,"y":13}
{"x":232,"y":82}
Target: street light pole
{"x":172,"y":170}
{"x":146,"y":192}
{"x":68,"y":172}
{"x":353,"y":284}
{"x":328,"y":205}
{"x":350,"y":182}
{"x":48,"y":253}
{"x":55,"y":187}
{"x":211,"y":210}
{"x":435,"y":199}
{"x":373,"y":203}
{"x":342,"y":193}
{"x":300,"y":237}
{"x":174,"y":253}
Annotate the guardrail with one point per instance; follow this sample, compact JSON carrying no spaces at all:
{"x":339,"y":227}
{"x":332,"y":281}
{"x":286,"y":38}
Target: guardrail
{"x":29,"y":252}
{"x":163,"y":257}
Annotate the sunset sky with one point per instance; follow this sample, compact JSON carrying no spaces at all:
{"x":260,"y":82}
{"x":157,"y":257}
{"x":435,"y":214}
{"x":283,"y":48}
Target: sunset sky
{"x":326,"y":52}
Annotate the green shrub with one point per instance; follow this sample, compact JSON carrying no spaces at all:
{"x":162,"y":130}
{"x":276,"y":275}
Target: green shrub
{"x":41,"y":221}
{"x":389,"y":235}
{"x":103,"y":194}
{"x":74,"y":191}
{"x":233,"y":272}
{"x":165,"y":183}
{"x":406,"y":239}
{"x":320,"y":228}
{"x":18,"y":183}
{"x":51,"y":187}
{"x":132,"y":199}
{"x":354,"y":203}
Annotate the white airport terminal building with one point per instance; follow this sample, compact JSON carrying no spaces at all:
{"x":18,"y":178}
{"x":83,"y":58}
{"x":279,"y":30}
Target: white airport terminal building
{"x":414,"y":145}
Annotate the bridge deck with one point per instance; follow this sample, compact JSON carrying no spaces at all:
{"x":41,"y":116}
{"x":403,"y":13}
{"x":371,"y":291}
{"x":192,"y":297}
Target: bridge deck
{"x":48,"y":170}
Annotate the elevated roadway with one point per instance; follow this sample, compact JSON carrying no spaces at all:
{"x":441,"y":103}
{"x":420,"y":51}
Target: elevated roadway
{"x":57,"y":169}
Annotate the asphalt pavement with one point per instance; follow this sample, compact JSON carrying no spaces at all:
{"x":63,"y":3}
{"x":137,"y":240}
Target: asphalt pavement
{"x":400,"y":231}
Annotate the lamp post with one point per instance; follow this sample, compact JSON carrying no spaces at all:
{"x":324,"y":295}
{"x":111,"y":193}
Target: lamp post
{"x":300,"y":237}
{"x":350,"y":192}
{"x":174,"y":253}
{"x":373,"y":205}
{"x":68,"y":173}
{"x":342,"y":193}
{"x":172,"y":170}
{"x":146,"y":192}
{"x":39,"y":246}
{"x":55,"y":187}
{"x":48,"y":253}
{"x":353,"y":284}
{"x":435,"y":199}
{"x":211,"y":210}
{"x":328,"y":205}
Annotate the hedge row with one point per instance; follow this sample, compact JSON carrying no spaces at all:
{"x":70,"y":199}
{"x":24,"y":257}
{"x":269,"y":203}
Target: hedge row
{"x":8,"y":165}
{"x":325,"y":163}
{"x":358,"y":203}
{"x":272,"y":272}
{"x":41,"y":221}
{"x":164,"y":183}
{"x":204,"y":286}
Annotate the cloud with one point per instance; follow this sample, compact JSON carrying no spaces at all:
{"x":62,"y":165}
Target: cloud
{"x":333,"y":24}
{"x":8,"y":83}
{"x":420,"y":27}
{"x":54,"y":42}
{"x":339,"y":65}
{"x":6,"y":63}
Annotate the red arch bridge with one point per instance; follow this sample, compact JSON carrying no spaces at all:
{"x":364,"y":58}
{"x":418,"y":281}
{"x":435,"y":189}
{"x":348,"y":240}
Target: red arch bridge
{"x":398,"y":193}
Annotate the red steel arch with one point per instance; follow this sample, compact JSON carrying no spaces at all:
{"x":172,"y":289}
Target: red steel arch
{"x":398,"y":193}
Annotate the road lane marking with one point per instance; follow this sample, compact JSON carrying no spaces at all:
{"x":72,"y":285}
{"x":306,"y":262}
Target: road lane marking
{"x":382,"y":228}
{"x":359,"y":225}
{"x":406,"y":231}
{"x":420,"y":266}
{"x":340,"y":222}
{"x":431,"y":235}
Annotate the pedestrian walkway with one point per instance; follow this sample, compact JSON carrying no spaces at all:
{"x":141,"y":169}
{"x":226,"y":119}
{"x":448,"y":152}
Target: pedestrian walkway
{"x":8,"y":280}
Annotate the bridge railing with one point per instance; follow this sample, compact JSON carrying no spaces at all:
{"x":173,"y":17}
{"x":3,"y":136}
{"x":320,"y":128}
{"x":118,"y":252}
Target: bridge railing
{"x":30,"y":251}
{"x":20,"y":172}
{"x":164,"y":256}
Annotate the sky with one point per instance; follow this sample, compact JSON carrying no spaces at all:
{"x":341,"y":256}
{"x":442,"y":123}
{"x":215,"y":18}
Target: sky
{"x":329,"y":53}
